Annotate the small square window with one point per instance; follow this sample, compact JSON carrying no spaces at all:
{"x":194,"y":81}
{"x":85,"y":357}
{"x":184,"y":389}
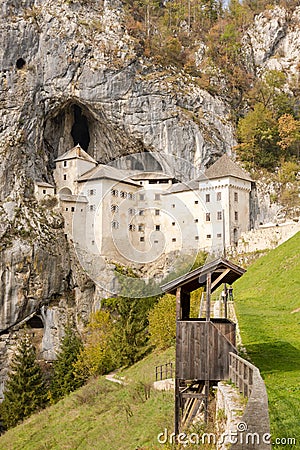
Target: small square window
{"x":219,"y":235}
{"x":173,"y":239}
{"x":93,"y":242}
{"x":207,"y":217}
{"x":196,"y":220}
{"x":208,"y":236}
{"x":142,"y":239}
{"x":157,"y":227}
{"x":219,"y":196}
{"x":142,"y":196}
{"x":173,"y":206}
{"x":92,"y":208}
{"x":155,"y":242}
{"x":131,"y":227}
{"x":196,"y":202}
{"x":173,"y":224}
{"x":123,"y":194}
{"x":196,"y":238}
{"x":207,"y":198}
{"x":114,"y":192}
{"x":157,"y":212}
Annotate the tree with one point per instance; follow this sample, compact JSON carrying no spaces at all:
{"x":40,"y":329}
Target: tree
{"x":25,"y":390}
{"x":97,"y":356}
{"x":64,"y":379}
{"x":289,"y":132}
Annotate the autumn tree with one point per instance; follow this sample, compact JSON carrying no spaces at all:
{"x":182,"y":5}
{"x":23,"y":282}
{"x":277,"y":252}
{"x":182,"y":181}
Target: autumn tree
{"x":97,"y":356}
{"x":25,"y":390}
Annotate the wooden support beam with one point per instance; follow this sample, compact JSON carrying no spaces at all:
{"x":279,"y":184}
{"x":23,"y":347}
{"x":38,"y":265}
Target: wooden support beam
{"x":192,"y":395}
{"x":220,"y":278}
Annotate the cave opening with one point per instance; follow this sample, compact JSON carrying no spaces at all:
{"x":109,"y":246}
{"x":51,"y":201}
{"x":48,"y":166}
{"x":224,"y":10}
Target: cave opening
{"x":80,"y":129}
{"x":20,"y":63}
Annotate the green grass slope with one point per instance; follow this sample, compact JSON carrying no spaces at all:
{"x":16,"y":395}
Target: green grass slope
{"x":267,"y":298}
{"x":102,"y":415}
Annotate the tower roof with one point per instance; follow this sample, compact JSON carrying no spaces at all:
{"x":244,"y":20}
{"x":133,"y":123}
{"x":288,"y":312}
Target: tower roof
{"x":225,"y":167}
{"x":76,"y":153}
{"x":108,"y":172}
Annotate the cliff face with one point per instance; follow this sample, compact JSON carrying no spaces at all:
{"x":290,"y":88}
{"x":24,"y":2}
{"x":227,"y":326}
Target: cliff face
{"x":70,"y":72}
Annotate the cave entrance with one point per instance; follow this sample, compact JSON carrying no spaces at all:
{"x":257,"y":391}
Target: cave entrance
{"x":80,"y":129}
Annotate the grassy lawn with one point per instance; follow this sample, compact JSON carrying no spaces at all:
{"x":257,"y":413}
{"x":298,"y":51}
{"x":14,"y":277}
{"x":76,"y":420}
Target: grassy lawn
{"x":266,"y":299}
{"x":101,"y":415}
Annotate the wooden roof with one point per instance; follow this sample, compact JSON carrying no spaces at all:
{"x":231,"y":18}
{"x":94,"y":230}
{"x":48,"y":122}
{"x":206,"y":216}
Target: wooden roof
{"x":222,"y":271}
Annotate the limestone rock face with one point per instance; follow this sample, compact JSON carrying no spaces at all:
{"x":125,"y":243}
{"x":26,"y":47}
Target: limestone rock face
{"x":273,"y":42}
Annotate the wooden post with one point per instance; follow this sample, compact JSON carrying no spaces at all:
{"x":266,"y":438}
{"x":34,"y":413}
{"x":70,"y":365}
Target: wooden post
{"x":177,"y":392}
{"x":208,"y":293}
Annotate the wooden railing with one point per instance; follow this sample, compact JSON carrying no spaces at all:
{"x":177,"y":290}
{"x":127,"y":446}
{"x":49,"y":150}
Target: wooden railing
{"x":164,"y":371}
{"x":241,"y":374}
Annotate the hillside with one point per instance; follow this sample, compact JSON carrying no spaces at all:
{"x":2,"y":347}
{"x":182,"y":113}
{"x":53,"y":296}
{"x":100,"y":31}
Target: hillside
{"x":267,"y":303}
{"x":101,"y":415}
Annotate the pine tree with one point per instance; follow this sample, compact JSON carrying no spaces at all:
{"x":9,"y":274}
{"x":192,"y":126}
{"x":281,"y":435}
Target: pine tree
{"x":64,"y":379}
{"x":25,"y":390}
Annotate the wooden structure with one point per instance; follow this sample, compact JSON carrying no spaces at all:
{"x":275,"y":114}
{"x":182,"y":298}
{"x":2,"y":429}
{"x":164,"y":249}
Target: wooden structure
{"x":202,"y":345}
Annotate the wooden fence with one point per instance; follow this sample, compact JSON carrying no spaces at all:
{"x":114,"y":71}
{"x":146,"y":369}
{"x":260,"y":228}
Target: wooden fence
{"x":241,"y":373}
{"x":165,"y":371}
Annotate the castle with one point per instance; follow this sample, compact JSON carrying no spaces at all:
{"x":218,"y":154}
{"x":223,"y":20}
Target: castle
{"x":134,"y":216}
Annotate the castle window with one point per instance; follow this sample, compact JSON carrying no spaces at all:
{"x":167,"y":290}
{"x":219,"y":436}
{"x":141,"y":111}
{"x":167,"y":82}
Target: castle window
{"x":219,"y":196}
{"x":155,"y":242}
{"x":92,"y":192}
{"x":236,"y":215}
{"x":141,"y":212}
{"x":67,"y":209}
{"x":142,"y":196}
{"x":173,"y":239}
{"x":20,"y":63}
{"x":219,"y":215}
{"x":142,"y":239}
{"x":72,"y":208}
{"x":207,"y":198}
{"x":131,"y":195}
{"x":141,"y":227}
{"x":219,"y":235}
{"x":131,"y":227}
{"x":115,"y":225}
{"x":196,"y":238}
{"x":196,"y":220}
{"x":114,"y":208}
{"x":65,"y":176}
{"x":65,"y":163}
{"x":208,"y":236}
{"x":207,"y":217}
{"x":157,"y":227}
{"x":44,"y":191}
{"x":236,"y":196}
{"x":173,"y":206}
{"x":123,"y":194}
{"x":196,"y":202}
{"x":157,"y":197}
{"x":92,"y":207}
{"x":93,"y":242}
{"x":131,"y":211}
{"x":157,"y":212}
{"x":173,"y":224}
{"x":114,"y":192}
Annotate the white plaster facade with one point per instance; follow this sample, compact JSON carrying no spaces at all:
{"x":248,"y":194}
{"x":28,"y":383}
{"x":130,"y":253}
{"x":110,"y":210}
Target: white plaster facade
{"x":135,"y":216}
